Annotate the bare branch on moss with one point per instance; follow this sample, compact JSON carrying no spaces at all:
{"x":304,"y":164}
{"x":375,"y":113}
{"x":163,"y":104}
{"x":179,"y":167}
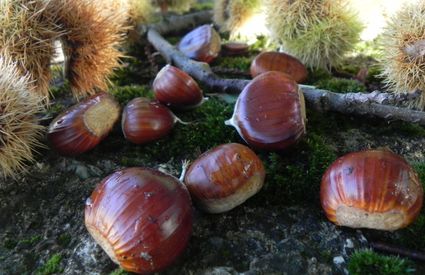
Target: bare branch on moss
{"x":387,"y":248}
{"x":322,"y":100}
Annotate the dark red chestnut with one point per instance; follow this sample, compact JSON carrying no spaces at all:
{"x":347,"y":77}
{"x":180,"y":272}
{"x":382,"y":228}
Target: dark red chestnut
{"x":176,"y":89}
{"x":371,"y":189}
{"x":282,"y":62}
{"x":144,"y":120}
{"x":235,"y":48}
{"x":83,"y":126}
{"x":269,"y":113}
{"x":202,"y":44}
{"x":142,"y":219}
{"x":224,"y":177}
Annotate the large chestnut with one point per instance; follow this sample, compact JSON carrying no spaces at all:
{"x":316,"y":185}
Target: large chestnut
{"x":371,"y":189}
{"x":269,"y":113}
{"x":224,"y":177}
{"x":202,"y":44}
{"x":176,"y":89}
{"x":144,"y":120}
{"x":277,"y":61}
{"x":84,"y":125}
{"x":142,"y":218}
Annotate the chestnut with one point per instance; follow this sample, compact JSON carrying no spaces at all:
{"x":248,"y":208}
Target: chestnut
{"x":144,"y":120}
{"x":84,"y":125}
{"x":142,"y":218}
{"x":176,"y":89}
{"x":235,"y":48}
{"x":202,"y":44}
{"x":270,"y":113}
{"x":277,"y":61}
{"x":374,"y":189}
{"x":224,"y":177}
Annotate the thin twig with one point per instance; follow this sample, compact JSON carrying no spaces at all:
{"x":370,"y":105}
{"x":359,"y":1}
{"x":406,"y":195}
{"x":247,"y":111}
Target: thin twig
{"x":401,"y":251}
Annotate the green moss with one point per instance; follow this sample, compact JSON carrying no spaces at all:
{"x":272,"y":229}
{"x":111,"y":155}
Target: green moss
{"x":31,"y":241}
{"x":133,"y":68}
{"x":368,"y":262}
{"x":315,"y":75}
{"x":340,"y":85}
{"x":203,"y":6}
{"x":296,"y":175}
{"x":126,"y":93}
{"x":119,"y":271}
{"x":239,"y":62}
{"x":188,"y":141}
{"x":52,"y":266}
{"x":54,"y":109}
{"x":64,"y":239}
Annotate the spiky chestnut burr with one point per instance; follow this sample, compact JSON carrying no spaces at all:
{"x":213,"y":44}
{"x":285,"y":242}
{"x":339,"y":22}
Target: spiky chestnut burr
{"x":231,"y":15}
{"x":318,"y":32}
{"x":403,"y":42}
{"x":93,"y":33}
{"x":90,"y":31}
{"x":27,"y":34}
{"x":178,"y":6}
{"x":19,"y":128}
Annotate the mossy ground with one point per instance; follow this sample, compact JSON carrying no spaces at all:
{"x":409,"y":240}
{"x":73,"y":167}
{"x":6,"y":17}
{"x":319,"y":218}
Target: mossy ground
{"x":293,"y":176}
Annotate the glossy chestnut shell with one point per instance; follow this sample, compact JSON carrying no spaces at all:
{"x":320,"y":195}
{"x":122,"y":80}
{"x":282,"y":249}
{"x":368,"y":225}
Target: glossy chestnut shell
{"x":84,"y":125}
{"x":202,"y":44}
{"x":235,"y":48}
{"x":371,"y":189}
{"x":277,"y":61}
{"x":269,"y":113}
{"x":144,"y":120}
{"x":176,"y":89}
{"x":224,"y":177}
{"x":142,"y":218}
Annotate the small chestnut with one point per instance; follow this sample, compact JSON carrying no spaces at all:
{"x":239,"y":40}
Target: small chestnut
{"x":84,"y":125}
{"x":374,"y":189}
{"x":277,"y":61}
{"x":235,"y":48}
{"x":144,"y":120}
{"x":224,"y":177}
{"x":269,"y":113}
{"x":202,"y":44}
{"x":176,"y":89}
{"x":142,"y":218}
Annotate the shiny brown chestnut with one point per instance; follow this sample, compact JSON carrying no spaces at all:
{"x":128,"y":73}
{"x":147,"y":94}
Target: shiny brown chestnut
{"x":277,"y":61}
{"x":144,"y":120}
{"x":142,"y":218}
{"x":234,"y":48}
{"x":371,"y":189}
{"x":270,"y":113}
{"x":224,"y":177}
{"x":84,"y":125}
{"x":176,"y":89}
{"x":202,"y":44}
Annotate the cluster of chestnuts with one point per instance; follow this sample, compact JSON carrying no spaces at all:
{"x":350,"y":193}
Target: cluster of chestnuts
{"x":142,"y":218}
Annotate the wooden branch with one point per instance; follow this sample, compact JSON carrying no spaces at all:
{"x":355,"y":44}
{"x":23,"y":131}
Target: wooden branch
{"x":412,"y":254}
{"x":322,"y":100}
